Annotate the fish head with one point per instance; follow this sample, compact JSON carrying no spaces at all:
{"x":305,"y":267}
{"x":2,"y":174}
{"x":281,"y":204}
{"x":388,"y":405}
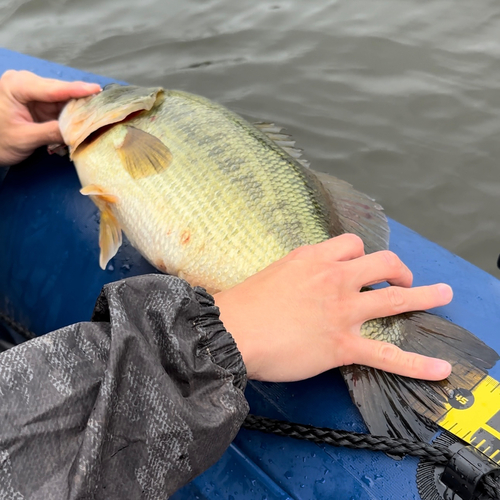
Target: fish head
{"x":81,"y":117}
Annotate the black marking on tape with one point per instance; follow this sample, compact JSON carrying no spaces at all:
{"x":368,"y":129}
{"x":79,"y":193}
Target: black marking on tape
{"x":461,"y":399}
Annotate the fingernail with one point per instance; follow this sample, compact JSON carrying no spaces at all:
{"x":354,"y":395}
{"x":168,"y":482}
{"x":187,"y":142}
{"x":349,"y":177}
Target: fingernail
{"x":445,"y":291}
{"x":443,"y":368}
{"x":92,"y":87}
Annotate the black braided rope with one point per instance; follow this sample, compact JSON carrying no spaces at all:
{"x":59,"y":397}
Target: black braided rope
{"x":16,"y":327}
{"x":437,"y":454}
{"x":491,"y":487}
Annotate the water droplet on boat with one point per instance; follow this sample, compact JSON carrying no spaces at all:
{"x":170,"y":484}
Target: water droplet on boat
{"x":367,"y":480}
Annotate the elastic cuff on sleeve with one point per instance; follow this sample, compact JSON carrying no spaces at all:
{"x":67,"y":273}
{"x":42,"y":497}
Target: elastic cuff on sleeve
{"x":218,"y":342}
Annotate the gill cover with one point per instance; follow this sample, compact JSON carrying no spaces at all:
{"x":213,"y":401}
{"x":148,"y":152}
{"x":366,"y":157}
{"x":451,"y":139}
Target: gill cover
{"x":81,"y":117}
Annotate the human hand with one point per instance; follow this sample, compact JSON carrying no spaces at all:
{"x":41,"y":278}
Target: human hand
{"x":302,"y":315}
{"x":29,"y":108}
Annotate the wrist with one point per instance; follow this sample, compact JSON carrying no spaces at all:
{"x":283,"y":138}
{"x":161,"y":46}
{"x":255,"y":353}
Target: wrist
{"x":233,"y":317}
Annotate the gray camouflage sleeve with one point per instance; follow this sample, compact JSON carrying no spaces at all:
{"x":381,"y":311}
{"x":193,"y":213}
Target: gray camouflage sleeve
{"x":133,"y":404}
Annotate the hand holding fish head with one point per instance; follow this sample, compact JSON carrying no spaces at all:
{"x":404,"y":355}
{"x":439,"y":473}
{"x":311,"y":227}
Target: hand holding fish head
{"x":29,"y":108}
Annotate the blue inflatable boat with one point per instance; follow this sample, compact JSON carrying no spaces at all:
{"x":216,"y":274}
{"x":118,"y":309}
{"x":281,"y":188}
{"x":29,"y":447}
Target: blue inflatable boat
{"x":49,"y":278}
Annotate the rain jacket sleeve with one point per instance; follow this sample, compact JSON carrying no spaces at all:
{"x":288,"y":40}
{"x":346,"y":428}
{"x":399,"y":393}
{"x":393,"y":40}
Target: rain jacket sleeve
{"x":133,"y":404}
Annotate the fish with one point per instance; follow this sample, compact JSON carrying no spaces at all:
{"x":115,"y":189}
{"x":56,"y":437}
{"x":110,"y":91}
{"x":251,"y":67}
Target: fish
{"x":200,"y":192}
{"x":206,"y":195}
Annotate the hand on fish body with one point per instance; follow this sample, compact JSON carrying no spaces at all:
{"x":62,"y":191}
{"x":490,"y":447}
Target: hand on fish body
{"x":302,"y":315}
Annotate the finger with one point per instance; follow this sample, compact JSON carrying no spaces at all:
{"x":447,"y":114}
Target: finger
{"x":396,"y":300}
{"x":341,"y":248}
{"x":41,"y":134}
{"x":391,"y":358}
{"x":378,"y":267}
{"x":344,"y":247}
{"x":27,"y":87}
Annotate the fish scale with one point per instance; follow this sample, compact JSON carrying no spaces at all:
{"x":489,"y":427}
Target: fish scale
{"x":242,"y":196}
{"x":247,"y":150}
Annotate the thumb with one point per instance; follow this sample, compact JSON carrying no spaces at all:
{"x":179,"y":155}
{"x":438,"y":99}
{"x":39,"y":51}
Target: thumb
{"x":391,"y":358}
{"x":41,"y":134}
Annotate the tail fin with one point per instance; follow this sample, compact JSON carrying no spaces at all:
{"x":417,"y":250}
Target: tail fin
{"x":398,"y":406}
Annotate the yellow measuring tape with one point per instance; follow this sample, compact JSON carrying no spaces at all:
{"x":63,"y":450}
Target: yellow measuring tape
{"x":474,"y":416}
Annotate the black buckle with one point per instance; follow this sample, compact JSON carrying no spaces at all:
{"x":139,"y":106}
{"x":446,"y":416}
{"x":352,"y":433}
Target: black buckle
{"x":466,"y":469}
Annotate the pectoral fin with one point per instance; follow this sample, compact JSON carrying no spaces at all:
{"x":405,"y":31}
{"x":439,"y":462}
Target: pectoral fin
{"x":110,"y":233}
{"x":143,"y":154}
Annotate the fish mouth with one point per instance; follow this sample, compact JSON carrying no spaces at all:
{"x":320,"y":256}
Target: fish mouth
{"x":81,"y":118}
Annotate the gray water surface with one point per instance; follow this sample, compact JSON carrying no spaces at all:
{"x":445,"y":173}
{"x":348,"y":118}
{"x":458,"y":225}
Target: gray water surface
{"x":399,"y":97}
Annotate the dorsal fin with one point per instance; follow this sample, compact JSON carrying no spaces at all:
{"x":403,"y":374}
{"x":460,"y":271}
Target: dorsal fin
{"x":351,"y":210}
{"x":284,"y":141}
{"x":355,"y":212}
{"x":268,"y":128}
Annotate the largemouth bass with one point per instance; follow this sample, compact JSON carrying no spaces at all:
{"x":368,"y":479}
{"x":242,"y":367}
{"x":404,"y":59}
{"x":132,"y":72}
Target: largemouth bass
{"x":200,"y":192}
{"x":205,"y":195}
